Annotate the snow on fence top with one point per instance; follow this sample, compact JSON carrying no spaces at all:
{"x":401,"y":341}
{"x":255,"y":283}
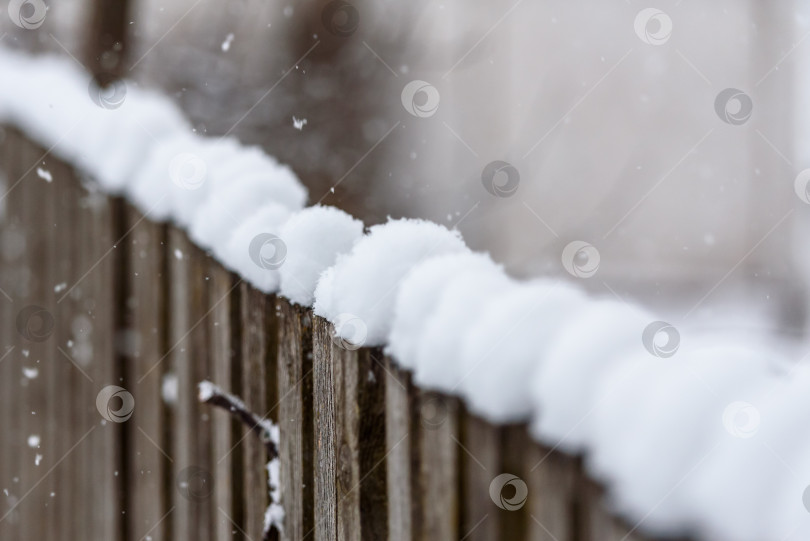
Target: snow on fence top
{"x":695,"y":442}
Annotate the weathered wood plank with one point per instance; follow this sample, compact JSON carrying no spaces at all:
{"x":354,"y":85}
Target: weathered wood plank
{"x":349,"y":408}
{"x":438,"y":436}
{"x":553,"y":501}
{"x":402,"y":462}
{"x":480,"y":464}
{"x":256,"y":311}
{"x":143,"y":341}
{"x":325,"y":375}
{"x":13,"y":274}
{"x":295,"y":419}
{"x":35,"y":327}
{"x":221,"y":301}
{"x":188,"y":353}
{"x":94,"y":329}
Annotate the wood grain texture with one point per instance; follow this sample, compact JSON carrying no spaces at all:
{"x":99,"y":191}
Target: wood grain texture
{"x":13,"y":273}
{"x":480,"y":464}
{"x":350,"y":454}
{"x":553,"y":502}
{"x":188,"y":353}
{"x":221,"y":330}
{"x":295,"y":419}
{"x":144,"y":342}
{"x":402,"y":460}
{"x":255,"y":366}
{"x":438,"y":435}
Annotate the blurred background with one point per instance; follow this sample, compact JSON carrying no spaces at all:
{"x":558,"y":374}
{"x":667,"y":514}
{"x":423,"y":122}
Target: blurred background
{"x":666,"y":138}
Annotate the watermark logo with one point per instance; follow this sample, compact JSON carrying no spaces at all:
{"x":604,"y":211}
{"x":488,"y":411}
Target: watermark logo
{"x":108,"y":91}
{"x":507,"y":177}
{"x":34,"y":323}
{"x":741,"y":419}
{"x":801,"y":185}
{"x":508,"y":492}
{"x":433,"y":411}
{"x":580,"y":259}
{"x":267,"y":251}
{"x":27,"y":14}
{"x":188,"y":171}
{"x":733,"y":106}
{"x":421,"y":99}
{"x":115,"y":404}
{"x":195,"y":484}
{"x":661,"y":339}
{"x":340,"y":18}
{"x":350,"y":332}
{"x":653,"y":26}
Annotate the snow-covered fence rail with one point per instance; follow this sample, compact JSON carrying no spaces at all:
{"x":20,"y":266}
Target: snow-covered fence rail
{"x":113,"y":320}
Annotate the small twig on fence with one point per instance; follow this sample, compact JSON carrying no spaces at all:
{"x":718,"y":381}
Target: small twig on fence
{"x":210,"y":393}
{"x":267,"y":432}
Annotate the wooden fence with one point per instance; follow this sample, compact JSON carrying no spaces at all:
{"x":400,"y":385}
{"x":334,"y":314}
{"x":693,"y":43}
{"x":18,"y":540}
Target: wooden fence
{"x":95,"y":295}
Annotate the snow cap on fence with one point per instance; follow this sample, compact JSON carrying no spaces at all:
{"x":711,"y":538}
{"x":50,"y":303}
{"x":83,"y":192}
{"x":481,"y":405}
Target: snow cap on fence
{"x":419,"y":295}
{"x":363,"y":284}
{"x":255,"y":249}
{"x":437,"y":357}
{"x":592,"y":343}
{"x":229,"y":203}
{"x":508,"y":342}
{"x":314,"y":238}
{"x":650,"y":406}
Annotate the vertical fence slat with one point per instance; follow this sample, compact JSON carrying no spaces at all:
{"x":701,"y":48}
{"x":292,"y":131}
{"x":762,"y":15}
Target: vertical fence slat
{"x":295,"y":419}
{"x":191,"y":517}
{"x":553,"y":504}
{"x":67,"y":196}
{"x":94,"y":329}
{"x":402,"y":462}
{"x":220,"y":303}
{"x":439,"y":472}
{"x":479,"y":466}
{"x":37,"y":211}
{"x":255,"y":314}
{"x":325,"y":374}
{"x":10,"y":366}
{"x":144,"y":343}
{"x":350,"y":441}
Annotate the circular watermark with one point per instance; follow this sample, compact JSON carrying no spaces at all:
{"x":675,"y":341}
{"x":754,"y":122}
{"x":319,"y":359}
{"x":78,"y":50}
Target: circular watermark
{"x":267,"y":251}
{"x":350,"y":332}
{"x":194,"y":483}
{"x":508,"y":492}
{"x":507,"y":177}
{"x":188,"y":171}
{"x":653,"y":26}
{"x":27,"y":14}
{"x":433,"y":411}
{"x":421,"y":99}
{"x":741,"y":419}
{"x":806,"y":498}
{"x":340,"y":18}
{"x":115,"y":404}
{"x":34,"y":323}
{"x":580,"y":259}
{"x":733,"y":106}
{"x":661,"y":339}
{"x":802,"y":186}
{"x":108,"y":91}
